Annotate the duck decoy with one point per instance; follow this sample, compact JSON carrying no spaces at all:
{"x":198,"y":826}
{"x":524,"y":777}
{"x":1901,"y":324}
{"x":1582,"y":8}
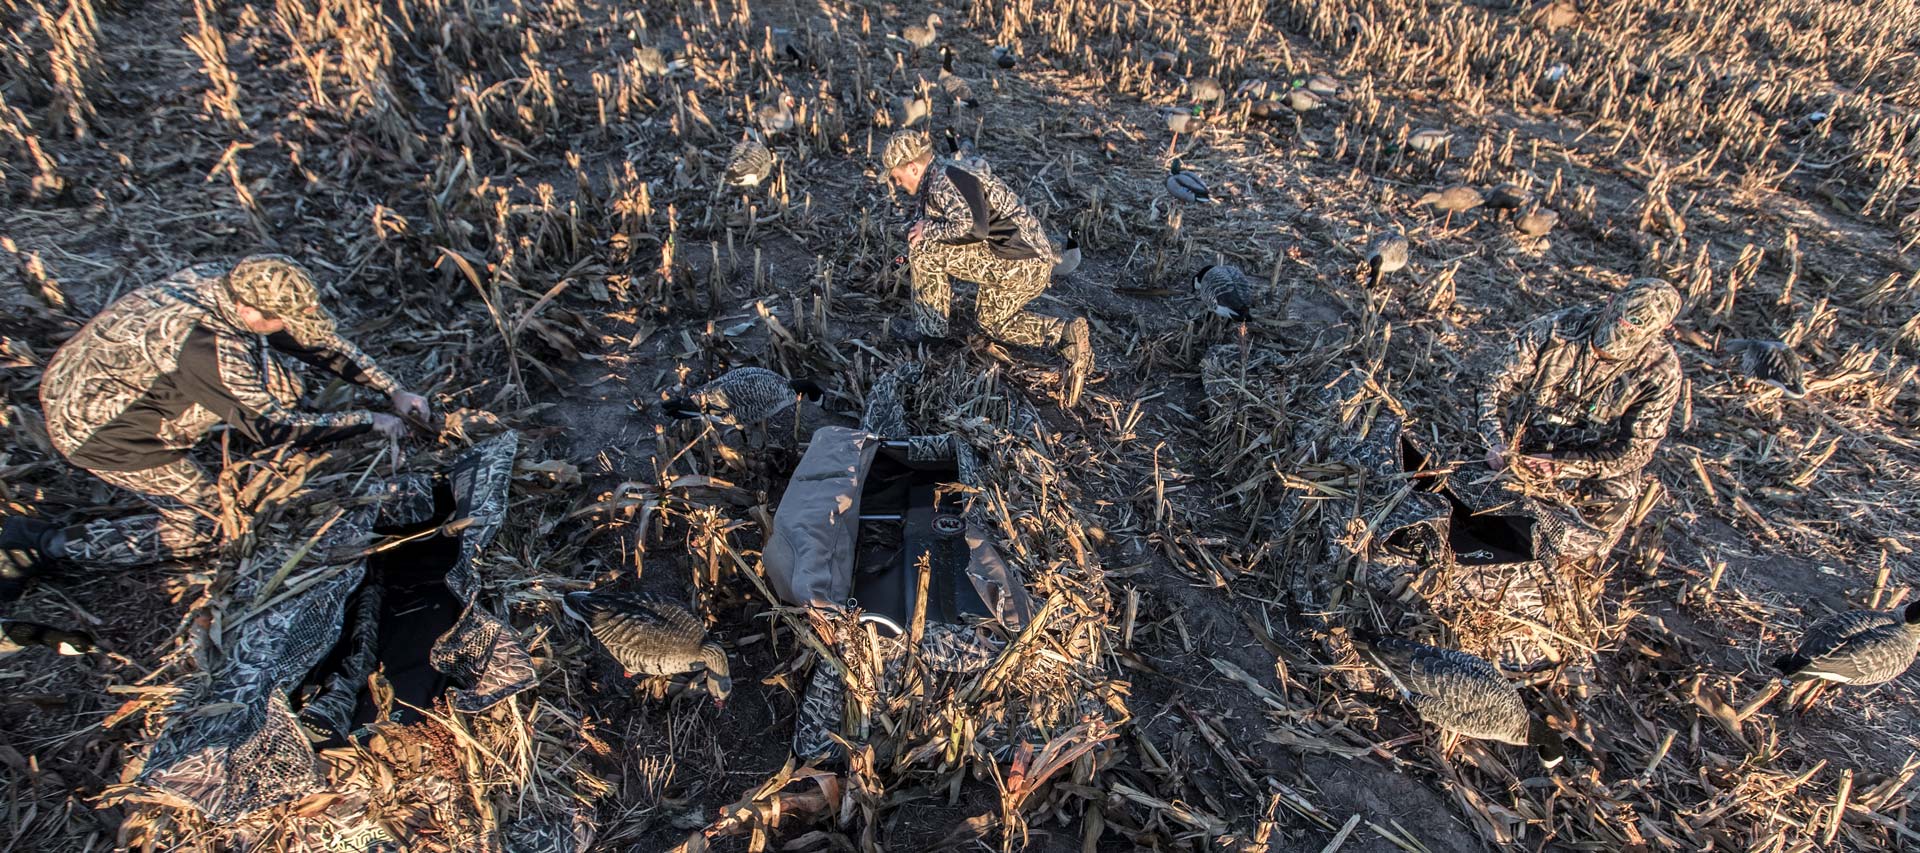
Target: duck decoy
{"x":1771,"y":363}
{"x":1428,"y":140}
{"x":649,"y":636}
{"x":743,"y":395}
{"x":1387,"y":254}
{"x":1004,"y":58}
{"x":1205,"y":90}
{"x":1461,"y":694}
{"x":1506,"y":197}
{"x":1537,"y":221}
{"x":1458,"y":198}
{"x":1186,"y":186}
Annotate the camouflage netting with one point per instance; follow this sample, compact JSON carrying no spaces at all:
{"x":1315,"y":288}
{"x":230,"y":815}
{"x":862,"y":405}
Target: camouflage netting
{"x":233,"y":747}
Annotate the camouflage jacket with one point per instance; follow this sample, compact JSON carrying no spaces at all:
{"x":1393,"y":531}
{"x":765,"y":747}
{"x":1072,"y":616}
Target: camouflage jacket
{"x":149,"y":376}
{"x":1598,"y":418}
{"x":969,"y":207}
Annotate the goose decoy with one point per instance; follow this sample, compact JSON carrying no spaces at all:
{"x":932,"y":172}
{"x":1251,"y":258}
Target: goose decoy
{"x":1537,"y":221}
{"x":1004,"y":58}
{"x":16,"y":635}
{"x":777,"y":117}
{"x":649,"y":636}
{"x":743,"y":395}
{"x":1428,"y":140}
{"x":1507,"y":196}
{"x":921,"y":37}
{"x":1858,"y":647}
{"x":1069,"y":258}
{"x":955,"y":85}
{"x":1186,"y":186}
{"x":1458,"y":198}
{"x":913,"y":109}
{"x":1461,"y":694}
{"x":1771,"y":363}
{"x":1205,"y":90}
{"x":750,"y":163}
{"x":961,"y":149}
{"x":1226,"y":289}
{"x":1388,"y":254}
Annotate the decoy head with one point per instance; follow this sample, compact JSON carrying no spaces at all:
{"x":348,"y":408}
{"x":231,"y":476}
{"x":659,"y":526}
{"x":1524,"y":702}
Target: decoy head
{"x":680,"y":408}
{"x":1173,"y":168}
{"x":1913,"y":612}
{"x":719,"y":682}
{"x":1201,"y":273}
{"x":1546,"y":742}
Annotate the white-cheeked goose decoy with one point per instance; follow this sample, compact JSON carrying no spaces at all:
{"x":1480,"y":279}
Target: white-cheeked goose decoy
{"x":1858,"y":647}
{"x":750,"y":163}
{"x":955,"y":85}
{"x":1069,"y":258}
{"x":1227,"y":290}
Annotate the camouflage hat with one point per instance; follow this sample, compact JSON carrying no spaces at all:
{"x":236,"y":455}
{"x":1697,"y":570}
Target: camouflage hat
{"x":905,"y":146}
{"x":1636,"y":315}
{"x":278,"y":286}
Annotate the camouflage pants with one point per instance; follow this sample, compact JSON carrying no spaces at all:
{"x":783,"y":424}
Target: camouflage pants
{"x":1005,"y":289}
{"x":184,"y":498}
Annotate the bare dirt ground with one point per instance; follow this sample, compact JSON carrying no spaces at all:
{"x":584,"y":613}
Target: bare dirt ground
{"x":1760,"y":155}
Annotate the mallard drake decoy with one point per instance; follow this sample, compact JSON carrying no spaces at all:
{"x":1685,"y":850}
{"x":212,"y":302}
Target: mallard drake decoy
{"x":776,"y":118}
{"x":1858,"y":647}
{"x":750,"y":163}
{"x":743,"y":395}
{"x":15,"y":635}
{"x":1004,"y":58}
{"x":1185,"y":119}
{"x":1537,"y":221}
{"x":1428,"y":140}
{"x":1771,"y":363}
{"x":1186,"y":186}
{"x":1461,"y":694}
{"x":955,"y":85}
{"x":922,"y":36}
{"x":1507,"y":196}
{"x":1387,"y":254}
{"x":1458,"y":198}
{"x":1205,"y":90}
{"x":1069,"y":258}
{"x":649,"y":636}
{"x":1226,"y":289}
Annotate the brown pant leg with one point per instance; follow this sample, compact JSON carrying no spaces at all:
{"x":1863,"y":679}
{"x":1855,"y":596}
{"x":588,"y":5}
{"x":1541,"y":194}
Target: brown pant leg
{"x":182,"y":526}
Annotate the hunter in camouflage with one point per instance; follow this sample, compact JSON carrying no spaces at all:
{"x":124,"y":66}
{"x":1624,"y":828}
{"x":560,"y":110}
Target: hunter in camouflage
{"x":1583,"y":396}
{"x":972,"y":226}
{"x":130,"y":395}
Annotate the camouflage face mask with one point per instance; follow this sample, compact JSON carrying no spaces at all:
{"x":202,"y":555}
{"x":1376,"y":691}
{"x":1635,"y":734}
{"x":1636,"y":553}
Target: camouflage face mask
{"x":279,"y":287}
{"x":1635,"y":316}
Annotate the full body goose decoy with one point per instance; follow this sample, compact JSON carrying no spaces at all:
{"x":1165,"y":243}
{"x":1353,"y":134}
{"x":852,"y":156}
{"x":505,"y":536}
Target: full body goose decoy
{"x":1458,"y":198}
{"x":743,"y":395}
{"x":922,"y":36}
{"x":1226,"y":289}
{"x":1187,"y":186}
{"x":1387,"y":254}
{"x":1771,"y":363}
{"x":648,"y":636}
{"x":750,"y":164}
{"x":1858,"y":647}
{"x":776,"y":117}
{"x":1004,"y":58}
{"x":656,"y":62}
{"x":955,"y":85}
{"x":1461,"y":694}
{"x":961,"y":149}
{"x":1069,"y":258}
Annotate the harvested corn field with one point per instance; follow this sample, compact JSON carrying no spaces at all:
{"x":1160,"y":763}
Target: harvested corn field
{"x":1108,"y":469}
